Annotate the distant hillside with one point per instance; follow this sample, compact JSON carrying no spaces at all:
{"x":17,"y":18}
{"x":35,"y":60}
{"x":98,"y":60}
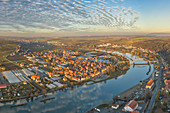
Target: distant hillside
{"x":158,"y":44}
{"x":158,"y":34}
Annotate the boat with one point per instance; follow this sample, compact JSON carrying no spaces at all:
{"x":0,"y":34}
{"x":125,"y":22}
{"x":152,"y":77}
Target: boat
{"x":47,"y":99}
{"x":18,"y":105}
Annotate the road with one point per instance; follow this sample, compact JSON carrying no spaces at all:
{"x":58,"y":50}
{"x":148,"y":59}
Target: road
{"x":11,"y":61}
{"x":152,"y":101}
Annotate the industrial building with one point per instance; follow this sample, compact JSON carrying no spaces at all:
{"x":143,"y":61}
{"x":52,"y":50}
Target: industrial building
{"x":27,"y":72}
{"x":10,"y":77}
{"x":58,"y":84}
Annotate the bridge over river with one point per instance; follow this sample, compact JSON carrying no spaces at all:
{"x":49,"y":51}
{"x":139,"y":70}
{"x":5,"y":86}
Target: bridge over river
{"x":139,"y":62}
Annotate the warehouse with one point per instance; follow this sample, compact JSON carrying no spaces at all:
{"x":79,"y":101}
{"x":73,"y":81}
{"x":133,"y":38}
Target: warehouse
{"x":50,"y":86}
{"x":58,"y":84}
{"x":27,"y":72}
{"x":11,"y":77}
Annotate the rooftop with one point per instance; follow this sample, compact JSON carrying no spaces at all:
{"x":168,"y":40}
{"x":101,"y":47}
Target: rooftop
{"x":150,"y":82}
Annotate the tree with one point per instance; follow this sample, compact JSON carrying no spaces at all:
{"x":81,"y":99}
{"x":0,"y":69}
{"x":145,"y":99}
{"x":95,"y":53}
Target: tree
{"x":44,"y":91}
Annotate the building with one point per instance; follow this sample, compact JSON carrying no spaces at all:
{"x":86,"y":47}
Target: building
{"x":115,"y":106}
{"x":3,"y":86}
{"x":10,"y":77}
{"x":58,"y":84}
{"x":167,"y":85}
{"x":50,"y":86}
{"x":35,"y":77}
{"x":3,"y":68}
{"x":131,"y":106}
{"x":22,"y":64}
{"x":45,"y":65}
{"x":150,"y":84}
{"x":157,"y":74}
{"x":166,"y":88}
{"x":27,"y":72}
{"x":140,"y":82}
{"x":167,"y":82}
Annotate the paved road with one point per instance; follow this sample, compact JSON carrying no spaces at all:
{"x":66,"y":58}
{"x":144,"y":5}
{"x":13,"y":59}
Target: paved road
{"x":11,"y":62}
{"x":152,"y":101}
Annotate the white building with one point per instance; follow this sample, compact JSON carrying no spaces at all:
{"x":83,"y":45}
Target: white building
{"x":115,"y":106}
{"x":131,"y":106}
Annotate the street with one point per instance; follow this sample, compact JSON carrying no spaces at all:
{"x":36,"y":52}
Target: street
{"x":152,"y":101}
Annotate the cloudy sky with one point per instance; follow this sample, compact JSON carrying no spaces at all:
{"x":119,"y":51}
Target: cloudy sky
{"x":83,"y":17}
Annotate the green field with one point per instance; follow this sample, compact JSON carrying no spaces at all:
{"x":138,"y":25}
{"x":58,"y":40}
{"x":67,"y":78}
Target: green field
{"x":6,"y":48}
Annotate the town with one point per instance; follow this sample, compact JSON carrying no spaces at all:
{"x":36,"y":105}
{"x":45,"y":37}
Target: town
{"x":31,"y":73}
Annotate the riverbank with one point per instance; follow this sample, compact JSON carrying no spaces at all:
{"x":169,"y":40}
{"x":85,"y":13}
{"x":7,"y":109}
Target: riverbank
{"x":128,"y":92}
{"x":136,"y":92}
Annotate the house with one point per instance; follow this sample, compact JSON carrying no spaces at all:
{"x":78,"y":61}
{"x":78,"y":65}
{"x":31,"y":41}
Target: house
{"x":167,"y":82}
{"x":38,"y":80}
{"x":45,"y":65}
{"x":3,"y":68}
{"x":64,"y":78}
{"x":166,"y":88}
{"x":22,"y":64}
{"x":115,"y":106}
{"x":157,"y":74}
{"x":150,"y":84}
{"x":131,"y":106}
{"x":167,"y":85}
{"x":35,"y":77}
{"x":24,"y":82}
{"x":167,"y":76}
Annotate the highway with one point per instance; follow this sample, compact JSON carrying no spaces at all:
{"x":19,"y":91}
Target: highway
{"x":153,"y":98}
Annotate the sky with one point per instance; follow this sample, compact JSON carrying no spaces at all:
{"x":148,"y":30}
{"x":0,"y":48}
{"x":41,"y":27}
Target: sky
{"x":50,"y":18}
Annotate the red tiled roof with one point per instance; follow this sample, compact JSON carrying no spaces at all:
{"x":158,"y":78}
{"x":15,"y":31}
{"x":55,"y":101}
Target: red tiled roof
{"x":150,"y":82}
{"x":132,"y":104}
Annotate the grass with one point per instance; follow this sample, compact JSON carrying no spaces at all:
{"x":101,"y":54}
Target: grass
{"x":6,"y":48}
{"x":16,"y":58}
{"x":166,"y":39}
{"x":10,"y":66}
{"x":141,"y":38}
{"x":26,"y":62}
{"x":102,"y":106}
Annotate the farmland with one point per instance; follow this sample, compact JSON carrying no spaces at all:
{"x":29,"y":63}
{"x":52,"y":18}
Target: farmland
{"x":6,"y":47}
{"x":9,"y":66}
{"x":16,"y":58}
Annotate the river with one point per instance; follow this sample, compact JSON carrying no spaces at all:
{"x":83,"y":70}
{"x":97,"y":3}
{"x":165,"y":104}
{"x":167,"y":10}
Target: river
{"x":83,"y":98}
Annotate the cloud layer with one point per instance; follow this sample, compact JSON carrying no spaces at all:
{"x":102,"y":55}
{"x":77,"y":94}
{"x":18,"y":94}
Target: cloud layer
{"x":65,"y":15}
